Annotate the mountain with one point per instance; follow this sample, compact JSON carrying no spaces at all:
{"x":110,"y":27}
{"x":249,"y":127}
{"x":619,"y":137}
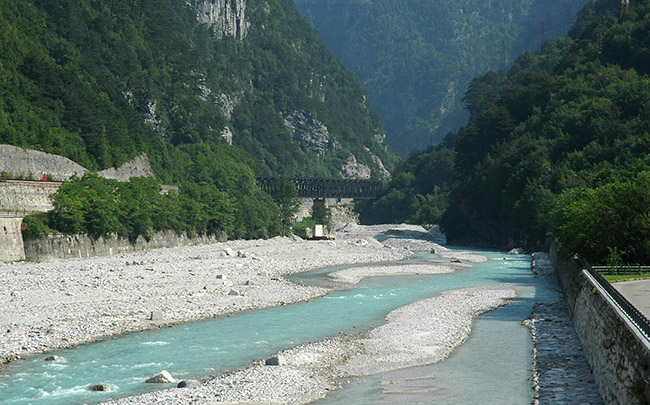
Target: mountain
{"x":556,"y":148}
{"x":101,"y":82}
{"x":417,"y":57}
{"x":213,"y":92}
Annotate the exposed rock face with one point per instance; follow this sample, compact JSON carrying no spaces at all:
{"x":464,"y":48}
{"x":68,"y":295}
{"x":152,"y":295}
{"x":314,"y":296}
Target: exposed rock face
{"x":226,"y":135}
{"x":312,"y":135}
{"x":355,"y":170}
{"x":24,"y":162}
{"x":151,"y":118}
{"x":227,"y":18}
{"x":382,"y":170}
{"x":138,"y":167}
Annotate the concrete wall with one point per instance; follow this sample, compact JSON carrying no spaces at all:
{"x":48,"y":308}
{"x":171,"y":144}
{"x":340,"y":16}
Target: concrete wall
{"x":25,"y":162}
{"x":620,"y":362}
{"x":11,"y":240}
{"x":55,"y":247}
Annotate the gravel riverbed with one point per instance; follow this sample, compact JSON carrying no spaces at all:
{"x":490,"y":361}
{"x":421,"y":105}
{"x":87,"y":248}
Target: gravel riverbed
{"x":49,"y":306}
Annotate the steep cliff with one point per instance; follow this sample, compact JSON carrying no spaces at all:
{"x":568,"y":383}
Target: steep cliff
{"x":417,"y":57}
{"x":224,"y":17}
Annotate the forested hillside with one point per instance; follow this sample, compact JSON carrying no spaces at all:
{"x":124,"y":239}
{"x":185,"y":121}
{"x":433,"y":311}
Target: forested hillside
{"x":417,"y":57}
{"x":556,"y":147}
{"x":101,"y":82}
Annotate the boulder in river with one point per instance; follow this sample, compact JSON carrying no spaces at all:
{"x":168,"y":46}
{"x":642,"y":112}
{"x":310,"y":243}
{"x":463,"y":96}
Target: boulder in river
{"x":188,"y":384}
{"x":161,"y":378}
{"x":53,"y":358}
{"x":277,"y":360}
{"x":98,"y":387}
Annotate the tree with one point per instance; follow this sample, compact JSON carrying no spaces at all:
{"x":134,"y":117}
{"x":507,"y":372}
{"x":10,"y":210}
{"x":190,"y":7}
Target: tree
{"x":285,"y":196}
{"x":320,"y":213}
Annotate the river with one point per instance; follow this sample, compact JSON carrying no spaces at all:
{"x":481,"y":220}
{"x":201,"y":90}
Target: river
{"x":493,"y":366}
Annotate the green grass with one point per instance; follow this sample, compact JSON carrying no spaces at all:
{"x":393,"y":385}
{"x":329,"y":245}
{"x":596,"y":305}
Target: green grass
{"x":613,"y":278}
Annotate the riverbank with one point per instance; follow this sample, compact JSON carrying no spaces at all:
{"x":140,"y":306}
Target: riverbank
{"x":49,"y":306}
{"x":309,"y":372}
{"x":560,"y":371}
{"x":69,"y":302}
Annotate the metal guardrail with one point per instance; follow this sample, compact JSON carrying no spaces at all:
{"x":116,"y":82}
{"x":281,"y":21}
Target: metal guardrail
{"x":609,"y":270}
{"x":640,"y":320}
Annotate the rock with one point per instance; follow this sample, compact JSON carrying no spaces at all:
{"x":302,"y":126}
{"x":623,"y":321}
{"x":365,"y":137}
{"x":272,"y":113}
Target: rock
{"x":516,"y":251}
{"x":312,"y":136}
{"x":241,"y":254}
{"x":156,"y":316}
{"x":277,"y":360}
{"x":53,"y":358}
{"x":455,"y":261}
{"x":229,"y":252}
{"x":221,"y":277}
{"x":188,"y":384}
{"x":234,"y":292}
{"x":354,"y":170}
{"x":98,"y":387}
{"x":161,"y":378}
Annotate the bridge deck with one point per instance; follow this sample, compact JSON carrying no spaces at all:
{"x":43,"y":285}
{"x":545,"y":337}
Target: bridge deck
{"x":326,"y":188}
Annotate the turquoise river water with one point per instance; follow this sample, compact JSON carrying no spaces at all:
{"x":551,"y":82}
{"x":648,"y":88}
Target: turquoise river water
{"x":493,"y":366}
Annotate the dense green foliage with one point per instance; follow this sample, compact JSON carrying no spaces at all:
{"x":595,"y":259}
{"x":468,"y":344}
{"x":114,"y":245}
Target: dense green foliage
{"x":285,"y":196}
{"x":417,"y":57}
{"x":100,"y":82}
{"x":558,"y":146}
{"x":100,"y":207}
{"x":418,"y":191}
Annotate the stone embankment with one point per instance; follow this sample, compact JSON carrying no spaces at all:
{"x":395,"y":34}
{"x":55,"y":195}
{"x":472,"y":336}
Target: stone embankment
{"x":53,"y":247}
{"x":619,"y":359}
{"x":560,"y":372}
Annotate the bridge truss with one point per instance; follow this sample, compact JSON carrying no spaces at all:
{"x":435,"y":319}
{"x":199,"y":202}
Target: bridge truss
{"x":326,"y":188}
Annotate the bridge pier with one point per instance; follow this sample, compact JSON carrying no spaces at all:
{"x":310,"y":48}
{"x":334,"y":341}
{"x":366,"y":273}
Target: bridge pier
{"x":11,"y":239}
{"x":19,"y":198}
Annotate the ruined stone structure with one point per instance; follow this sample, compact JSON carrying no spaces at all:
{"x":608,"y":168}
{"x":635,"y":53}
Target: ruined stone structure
{"x":17,"y":199}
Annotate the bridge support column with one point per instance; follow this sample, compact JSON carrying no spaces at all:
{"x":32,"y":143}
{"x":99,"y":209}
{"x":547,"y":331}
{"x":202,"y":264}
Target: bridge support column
{"x":11,"y":240}
{"x":319,"y":211}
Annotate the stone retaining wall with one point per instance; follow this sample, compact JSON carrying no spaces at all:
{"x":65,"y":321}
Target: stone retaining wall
{"x":55,"y":247}
{"x":619,"y":361}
